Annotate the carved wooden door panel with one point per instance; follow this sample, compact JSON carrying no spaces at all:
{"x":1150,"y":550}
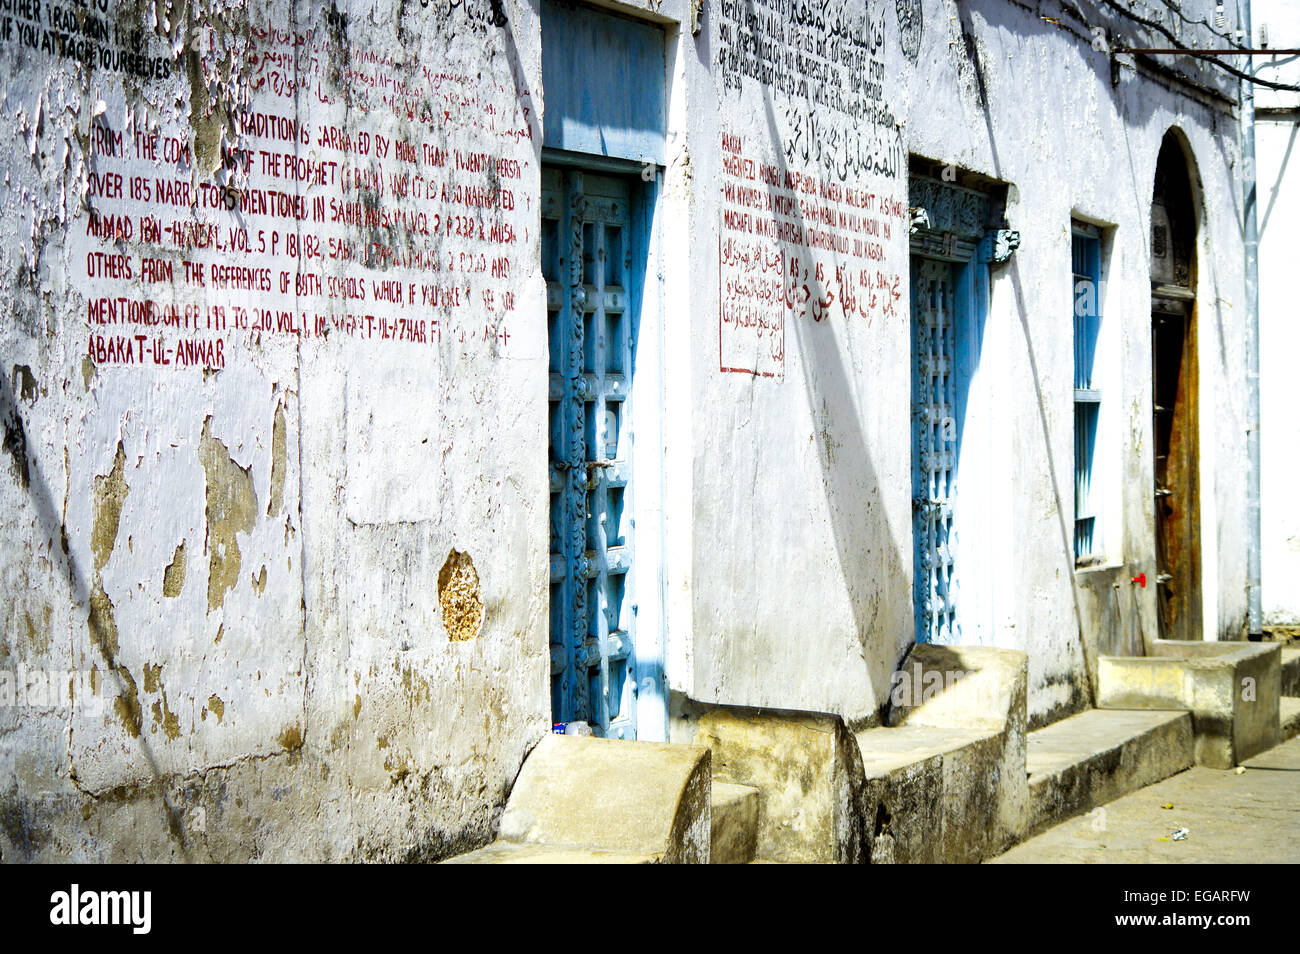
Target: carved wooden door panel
{"x":586,"y":262}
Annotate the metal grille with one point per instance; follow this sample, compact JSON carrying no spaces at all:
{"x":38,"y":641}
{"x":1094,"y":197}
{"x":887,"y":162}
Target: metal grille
{"x":586,"y":263}
{"x":934,"y":413}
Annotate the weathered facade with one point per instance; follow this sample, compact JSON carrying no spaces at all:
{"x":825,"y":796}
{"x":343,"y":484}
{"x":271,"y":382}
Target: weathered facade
{"x":386,"y":381}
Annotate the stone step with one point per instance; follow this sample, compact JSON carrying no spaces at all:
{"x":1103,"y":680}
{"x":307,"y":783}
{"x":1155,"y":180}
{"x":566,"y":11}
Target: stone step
{"x":1209,"y":679}
{"x":945,"y":780}
{"x":734,"y":823}
{"x":515,"y":853}
{"x":931,"y":793}
{"x":1289,"y":717}
{"x":806,"y":767}
{"x":1096,"y":756}
{"x":1291,"y":671}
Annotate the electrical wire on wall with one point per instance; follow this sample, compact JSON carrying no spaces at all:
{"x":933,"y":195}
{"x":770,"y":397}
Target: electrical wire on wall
{"x":1178,"y":48}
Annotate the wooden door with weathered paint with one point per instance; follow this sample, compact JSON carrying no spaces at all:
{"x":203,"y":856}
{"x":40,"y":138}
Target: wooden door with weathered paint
{"x":1174,"y":424}
{"x":586,"y":260}
{"x":1175,"y":397}
{"x":949,"y":290}
{"x":934,"y":450}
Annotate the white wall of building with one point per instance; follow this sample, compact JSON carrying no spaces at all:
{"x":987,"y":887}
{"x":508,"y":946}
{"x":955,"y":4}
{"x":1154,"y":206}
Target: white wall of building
{"x":247,"y":550}
{"x":802,"y":525}
{"x":1277,"y":150}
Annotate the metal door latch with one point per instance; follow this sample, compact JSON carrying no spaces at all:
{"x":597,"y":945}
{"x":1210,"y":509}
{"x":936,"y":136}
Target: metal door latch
{"x":592,"y":467}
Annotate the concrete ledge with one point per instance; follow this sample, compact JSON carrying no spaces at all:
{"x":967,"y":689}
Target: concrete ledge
{"x":931,"y":794}
{"x":601,"y":798}
{"x":1289,"y":718}
{"x":969,"y":687}
{"x":1231,"y":688}
{"x":511,"y":853}
{"x":1290,"y":672}
{"x":735,"y":815}
{"x":982,"y":801}
{"x":1099,"y":755}
{"x":946,"y":781}
{"x":806,"y":767}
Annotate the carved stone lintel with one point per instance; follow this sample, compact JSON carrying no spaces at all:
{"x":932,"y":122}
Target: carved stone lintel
{"x":960,"y":211}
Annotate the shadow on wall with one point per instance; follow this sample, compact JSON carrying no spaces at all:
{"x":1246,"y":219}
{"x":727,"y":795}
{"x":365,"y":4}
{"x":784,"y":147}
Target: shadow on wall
{"x":52,"y":528}
{"x":866,"y":546}
{"x":1120,"y":615}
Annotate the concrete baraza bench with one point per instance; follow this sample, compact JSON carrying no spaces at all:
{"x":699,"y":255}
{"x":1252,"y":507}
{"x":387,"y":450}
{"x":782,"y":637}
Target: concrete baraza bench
{"x":592,"y":801}
{"x":1231,"y":688}
{"x":945,"y":781}
{"x":798,"y":775}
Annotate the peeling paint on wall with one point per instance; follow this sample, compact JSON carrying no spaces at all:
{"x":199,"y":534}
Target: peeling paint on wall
{"x":174,"y":574}
{"x":278,"y":463}
{"x":110,"y":493}
{"x":231,"y":509}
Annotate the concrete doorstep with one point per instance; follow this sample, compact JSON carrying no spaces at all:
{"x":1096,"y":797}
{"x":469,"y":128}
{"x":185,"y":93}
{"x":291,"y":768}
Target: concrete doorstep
{"x":1097,"y":756}
{"x":1289,"y":717}
{"x":735,"y":816}
{"x":1232,"y":690}
{"x":1290,"y":671}
{"x":601,"y":801}
{"x":1289,"y":704}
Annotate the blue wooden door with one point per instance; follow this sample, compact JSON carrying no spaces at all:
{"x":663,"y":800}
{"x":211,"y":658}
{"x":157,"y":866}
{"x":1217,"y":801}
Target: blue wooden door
{"x":935,"y":387}
{"x":952,"y":244}
{"x":587,"y":220}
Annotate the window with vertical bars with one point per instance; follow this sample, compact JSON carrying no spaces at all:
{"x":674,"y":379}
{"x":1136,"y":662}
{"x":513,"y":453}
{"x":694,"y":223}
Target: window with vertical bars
{"x":1086,"y":257}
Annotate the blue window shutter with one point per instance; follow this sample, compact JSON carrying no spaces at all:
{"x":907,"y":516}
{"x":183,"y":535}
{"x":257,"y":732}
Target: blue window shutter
{"x":1086,"y":267}
{"x":605,"y":82}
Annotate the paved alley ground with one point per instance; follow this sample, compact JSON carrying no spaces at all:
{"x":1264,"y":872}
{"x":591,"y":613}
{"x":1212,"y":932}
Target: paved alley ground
{"x":1251,"y":817}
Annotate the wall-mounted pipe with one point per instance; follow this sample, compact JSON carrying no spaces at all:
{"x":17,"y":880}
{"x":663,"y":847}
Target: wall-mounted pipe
{"x":1255,"y":603}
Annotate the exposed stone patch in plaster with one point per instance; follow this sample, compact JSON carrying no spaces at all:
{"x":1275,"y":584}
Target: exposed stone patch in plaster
{"x":127,"y":703}
{"x":216,"y":707}
{"x":174,"y":575}
{"x":417,"y":688}
{"x":110,"y":493}
{"x":278,"y":462}
{"x":231,"y":508}
{"x":164,"y":717}
{"x":101,"y":623}
{"x":38,"y":635}
{"x":458,"y":593}
{"x":291,"y":738}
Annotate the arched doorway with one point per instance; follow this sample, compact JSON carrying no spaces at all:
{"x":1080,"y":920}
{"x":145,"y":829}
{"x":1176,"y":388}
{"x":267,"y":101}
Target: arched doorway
{"x":1174,"y":393}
